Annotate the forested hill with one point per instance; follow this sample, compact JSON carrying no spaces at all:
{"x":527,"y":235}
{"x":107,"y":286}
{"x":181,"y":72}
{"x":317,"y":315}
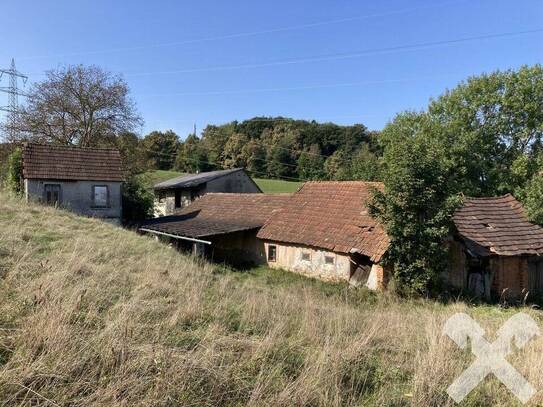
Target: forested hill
{"x":283,"y":148}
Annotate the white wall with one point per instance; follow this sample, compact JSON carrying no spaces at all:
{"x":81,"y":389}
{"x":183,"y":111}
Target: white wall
{"x":289,"y":257}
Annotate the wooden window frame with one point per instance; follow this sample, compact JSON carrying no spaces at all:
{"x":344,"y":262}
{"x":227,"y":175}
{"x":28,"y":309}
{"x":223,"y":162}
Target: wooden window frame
{"x":271,"y":248}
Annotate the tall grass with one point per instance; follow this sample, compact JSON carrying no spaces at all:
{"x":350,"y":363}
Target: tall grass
{"x":91,"y":314}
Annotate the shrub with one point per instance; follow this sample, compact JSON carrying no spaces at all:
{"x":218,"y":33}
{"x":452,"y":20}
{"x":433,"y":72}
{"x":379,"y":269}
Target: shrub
{"x":14,"y":179}
{"x":137,"y":201}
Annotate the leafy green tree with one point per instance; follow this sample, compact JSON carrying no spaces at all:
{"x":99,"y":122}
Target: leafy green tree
{"x":365,"y":165}
{"x":311,"y":164}
{"x":337,"y":166}
{"x":255,"y":157}
{"x":481,"y":138}
{"x":281,"y":154}
{"x":132,"y":152}
{"x":15,"y":172}
{"x":191,"y":157}
{"x":495,"y":118}
{"x":417,"y":202}
{"x":233,"y":152}
{"x":533,"y":199}
{"x":138,"y":200}
{"x":161,"y":149}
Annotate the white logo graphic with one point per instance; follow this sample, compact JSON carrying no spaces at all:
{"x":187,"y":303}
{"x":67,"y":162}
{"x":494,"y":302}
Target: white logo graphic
{"x":491,"y":356}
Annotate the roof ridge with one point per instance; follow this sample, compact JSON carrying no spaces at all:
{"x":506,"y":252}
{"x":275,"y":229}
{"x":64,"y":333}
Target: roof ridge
{"x":488,"y":198}
{"x":50,"y":145}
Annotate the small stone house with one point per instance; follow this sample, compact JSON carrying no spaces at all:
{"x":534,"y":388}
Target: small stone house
{"x":496,"y":251}
{"x":220,"y":226}
{"x":174,"y":194}
{"x":325,"y":231}
{"x":85,"y":180}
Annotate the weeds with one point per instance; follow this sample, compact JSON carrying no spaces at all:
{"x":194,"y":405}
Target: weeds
{"x":91,"y":314}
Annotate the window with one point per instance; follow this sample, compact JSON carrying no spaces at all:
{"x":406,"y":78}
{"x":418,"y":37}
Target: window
{"x":272,"y":253}
{"x":100,"y":196}
{"x":51,"y":194}
{"x":329,"y":260}
{"x":306,"y":256}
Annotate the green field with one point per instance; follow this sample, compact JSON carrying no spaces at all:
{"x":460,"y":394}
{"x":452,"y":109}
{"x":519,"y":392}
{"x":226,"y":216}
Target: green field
{"x":269,"y":186}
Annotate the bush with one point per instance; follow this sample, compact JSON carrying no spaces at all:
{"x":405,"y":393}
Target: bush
{"x":137,"y":201}
{"x":14,"y":179}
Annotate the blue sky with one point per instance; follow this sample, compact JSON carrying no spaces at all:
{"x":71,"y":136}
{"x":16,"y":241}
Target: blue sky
{"x":210,"y":62}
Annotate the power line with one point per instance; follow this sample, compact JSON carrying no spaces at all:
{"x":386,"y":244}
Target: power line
{"x":250,"y":33}
{"x":13,"y":93}
{"x":308,"y":87}
{"x":341,"y":56}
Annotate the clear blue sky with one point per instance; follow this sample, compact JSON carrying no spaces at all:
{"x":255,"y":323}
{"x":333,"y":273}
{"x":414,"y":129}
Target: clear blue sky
{"x":209,"y":62}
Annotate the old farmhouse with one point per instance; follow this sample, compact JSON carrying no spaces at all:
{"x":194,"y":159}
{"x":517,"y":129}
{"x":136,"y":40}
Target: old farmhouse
{"x":496,"y":251}
{"x":325,"y":231}
{"x":220,"y":226}
{"x":84,"y":180}
{"x":176,"y":193}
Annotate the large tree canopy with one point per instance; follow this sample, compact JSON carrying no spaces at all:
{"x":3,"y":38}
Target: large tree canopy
{"x":282,"y":148}
{"x":481,"y":138}
{"x":79,"y":105}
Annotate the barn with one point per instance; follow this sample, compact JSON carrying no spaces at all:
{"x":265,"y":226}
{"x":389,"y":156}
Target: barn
{"x":220,"y":226}
{"x":325,"y":231}
{"x":496,"y":251}
{"x":176,"y":193}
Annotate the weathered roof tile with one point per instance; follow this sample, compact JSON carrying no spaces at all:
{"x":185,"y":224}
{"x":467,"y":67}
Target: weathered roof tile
{"x":331,"y":216}
{"x":498,"y":226}
{"x":46,"y":161}
{"x":220,"y":213}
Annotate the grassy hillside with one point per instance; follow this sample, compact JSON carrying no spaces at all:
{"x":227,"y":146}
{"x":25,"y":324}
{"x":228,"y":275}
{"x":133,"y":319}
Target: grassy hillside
{"x":270,"y":186}
{"x":91,"y":314}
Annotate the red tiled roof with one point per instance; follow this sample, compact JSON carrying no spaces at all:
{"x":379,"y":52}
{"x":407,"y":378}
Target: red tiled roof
{"x":498,"y":226}
{"x":220,"y":213}
{"x":331,"y":216}
{"x":45,"y":161}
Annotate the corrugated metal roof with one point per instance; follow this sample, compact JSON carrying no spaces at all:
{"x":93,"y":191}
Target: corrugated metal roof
{"x":192,"y":180}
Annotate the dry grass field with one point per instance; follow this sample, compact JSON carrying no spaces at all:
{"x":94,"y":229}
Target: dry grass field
{"x":91,"y":314}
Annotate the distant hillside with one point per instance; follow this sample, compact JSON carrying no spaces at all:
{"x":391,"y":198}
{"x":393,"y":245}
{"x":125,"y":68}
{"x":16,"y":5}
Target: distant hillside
{"x":284,"y":148}
{"x":91,"y":314}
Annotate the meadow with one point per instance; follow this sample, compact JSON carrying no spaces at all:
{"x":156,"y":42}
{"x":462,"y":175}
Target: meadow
{"x":92,"y":314}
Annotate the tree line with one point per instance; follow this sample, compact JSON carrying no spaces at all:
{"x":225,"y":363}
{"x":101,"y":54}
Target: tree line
{"x":270,"y":148}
